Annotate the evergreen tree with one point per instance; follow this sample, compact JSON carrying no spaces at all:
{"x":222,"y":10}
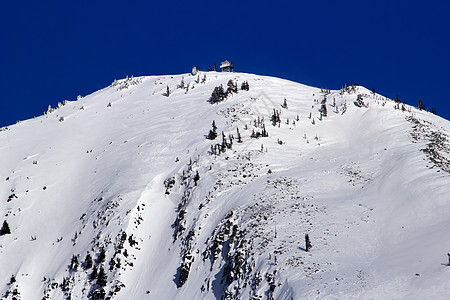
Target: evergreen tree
{"x":101,"y":255}
{"x":323,"y":110}
{"x":74,"y":263}
{"x":196,"y":177}
{"x":5,"y":228}
{"x":212,"y":133}
{"x":102,"y":279}
{"x":344,"y":108}
{"x":88,"y":261}
{"x":112,"y":263}
{"x":239,"y":138}
{"x":307,"y":243}
{"x":93,"y":274}
{"x":224,"y":142}
{"x":232,"y":87}
{"x":420,"y":105}
{"x":264,"y":132}
{"x":123,"y":237}
{"x":215,"y":69}
{"x":360,"y":101}
{"x":182,"y":83}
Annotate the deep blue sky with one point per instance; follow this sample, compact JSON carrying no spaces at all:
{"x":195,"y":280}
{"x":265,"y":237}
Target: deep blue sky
{"x":54,"y":50}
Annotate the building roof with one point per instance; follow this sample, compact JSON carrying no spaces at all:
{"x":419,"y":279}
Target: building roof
{"x":226,"y":64}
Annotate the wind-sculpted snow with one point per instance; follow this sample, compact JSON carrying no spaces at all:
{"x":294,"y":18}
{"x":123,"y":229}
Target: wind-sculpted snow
{"x":133,"y":192}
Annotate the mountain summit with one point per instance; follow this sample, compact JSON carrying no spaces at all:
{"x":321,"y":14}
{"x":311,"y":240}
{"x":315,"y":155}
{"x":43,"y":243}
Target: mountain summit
{"x":225,"y":186}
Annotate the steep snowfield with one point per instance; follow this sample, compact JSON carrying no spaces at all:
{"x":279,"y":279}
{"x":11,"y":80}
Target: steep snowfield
{"x":116,"y":170}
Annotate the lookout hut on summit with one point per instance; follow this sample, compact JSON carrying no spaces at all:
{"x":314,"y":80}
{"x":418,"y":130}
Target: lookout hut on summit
{"x":227,"y":66}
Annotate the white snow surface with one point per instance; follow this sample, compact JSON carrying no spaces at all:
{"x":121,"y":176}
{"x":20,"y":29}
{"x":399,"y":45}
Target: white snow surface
{"x":370,"y":186}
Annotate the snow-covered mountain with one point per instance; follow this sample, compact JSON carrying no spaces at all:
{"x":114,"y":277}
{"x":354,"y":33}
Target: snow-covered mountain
{"x":128,"y":193}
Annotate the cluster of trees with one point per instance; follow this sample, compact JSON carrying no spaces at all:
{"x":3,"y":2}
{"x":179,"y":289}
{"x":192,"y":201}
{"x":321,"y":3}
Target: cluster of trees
{"x":359,"y":101}
{"x":219,"y":93}
{"x":183,"y":270}
{"x":420,"y":105}
{"x":348,"y":89}
{"x":226,"y":144}
{"x":325,"y":91}
{"x":97,"y":274}
{"x":275,"y":118}
{"x":198,"y":79}
{"x":397,"y":102}
{"x":12,"y":290}
{"x":214,"y":68}
{"x":257,"y":134}
{"x":260,"y":129}
{"x":185,"y":86}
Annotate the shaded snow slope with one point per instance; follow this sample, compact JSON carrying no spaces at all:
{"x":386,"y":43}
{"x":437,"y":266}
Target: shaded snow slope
{"x":115,"y":172}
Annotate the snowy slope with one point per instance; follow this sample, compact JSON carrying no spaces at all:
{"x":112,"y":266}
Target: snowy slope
{"x":116,"y":170}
